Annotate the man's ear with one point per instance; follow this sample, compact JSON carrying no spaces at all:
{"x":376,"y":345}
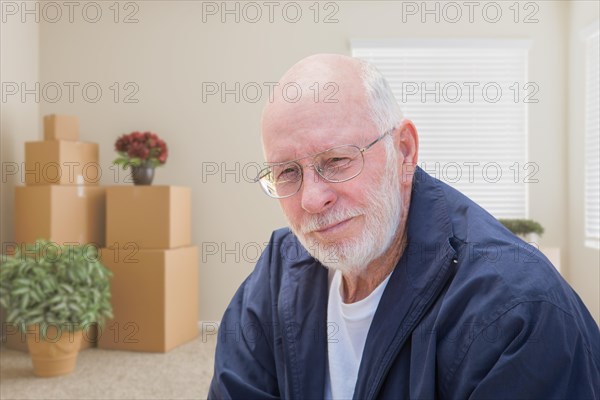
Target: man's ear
{"x":407,"y":144}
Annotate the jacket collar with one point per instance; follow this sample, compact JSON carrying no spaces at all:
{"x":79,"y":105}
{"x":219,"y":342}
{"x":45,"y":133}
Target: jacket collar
{"x":419,"y":277}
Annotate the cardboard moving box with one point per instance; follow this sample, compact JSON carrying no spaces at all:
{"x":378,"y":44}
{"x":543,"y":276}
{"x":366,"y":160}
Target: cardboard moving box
{"x":61,"y":162}
{"x":61,"y":127}
{"x":60,"y":213}
{"x":148,"y":217}
{"x":154,"y":299}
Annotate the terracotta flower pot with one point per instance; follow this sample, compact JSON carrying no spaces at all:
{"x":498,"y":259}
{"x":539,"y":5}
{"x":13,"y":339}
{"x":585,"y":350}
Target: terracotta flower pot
{"x":57,"y":353}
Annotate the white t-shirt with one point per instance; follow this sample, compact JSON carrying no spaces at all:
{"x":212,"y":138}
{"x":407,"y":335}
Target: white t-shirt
{"x":348,"y":326}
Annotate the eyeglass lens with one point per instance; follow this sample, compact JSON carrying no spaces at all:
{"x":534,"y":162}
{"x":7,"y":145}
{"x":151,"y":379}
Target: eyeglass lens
{"x":335,"y":165}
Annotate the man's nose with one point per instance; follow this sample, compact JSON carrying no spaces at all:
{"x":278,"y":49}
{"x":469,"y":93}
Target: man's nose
{"x":317,"y":194}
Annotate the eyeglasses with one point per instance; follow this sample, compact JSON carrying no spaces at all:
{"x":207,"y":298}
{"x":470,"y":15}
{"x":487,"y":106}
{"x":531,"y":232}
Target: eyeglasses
{"x":338,"y":164}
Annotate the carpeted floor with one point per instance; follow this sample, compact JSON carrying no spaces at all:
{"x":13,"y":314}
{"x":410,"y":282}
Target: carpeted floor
{"x":182,"y":373}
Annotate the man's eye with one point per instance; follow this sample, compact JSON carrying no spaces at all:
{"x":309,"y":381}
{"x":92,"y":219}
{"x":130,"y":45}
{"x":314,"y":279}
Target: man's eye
{"x":337,"y":162}
{"x":288,"y":174}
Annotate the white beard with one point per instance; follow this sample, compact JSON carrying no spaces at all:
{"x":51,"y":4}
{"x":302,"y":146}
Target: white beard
{"x":382,"y":219}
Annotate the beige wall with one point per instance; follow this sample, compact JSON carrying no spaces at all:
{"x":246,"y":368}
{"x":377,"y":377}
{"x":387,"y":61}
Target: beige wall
{"x":19,"y":62}
{"x":584,"y":262}
{"x":170,"y":52}
{"x":19,"y":120}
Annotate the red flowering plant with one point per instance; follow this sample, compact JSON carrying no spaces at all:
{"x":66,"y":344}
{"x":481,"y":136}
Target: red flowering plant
{"x":139,"y":148}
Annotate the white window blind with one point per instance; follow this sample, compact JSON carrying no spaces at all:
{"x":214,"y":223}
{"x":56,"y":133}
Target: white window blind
{"x":592,"y":141}
{"x":468,"y":100}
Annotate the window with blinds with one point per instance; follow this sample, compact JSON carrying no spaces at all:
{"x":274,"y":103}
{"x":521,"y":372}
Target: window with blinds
{"x":592,"y":141}
{"x":468,"y":100}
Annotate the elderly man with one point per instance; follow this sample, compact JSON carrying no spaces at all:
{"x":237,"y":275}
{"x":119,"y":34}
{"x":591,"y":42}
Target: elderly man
{"x":389,"y":284}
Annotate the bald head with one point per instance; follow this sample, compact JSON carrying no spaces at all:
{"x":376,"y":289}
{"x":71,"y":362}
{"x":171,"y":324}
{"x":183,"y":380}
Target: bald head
{"x":320,"y":92}
{"x":323,"y":68}
{"x":324,"y":92}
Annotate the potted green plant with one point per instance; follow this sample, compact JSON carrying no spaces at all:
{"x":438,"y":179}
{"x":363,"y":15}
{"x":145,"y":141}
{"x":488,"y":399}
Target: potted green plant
{"x":142,"y":152}
{"x":54,"y":293}
{"x":527,"y":229}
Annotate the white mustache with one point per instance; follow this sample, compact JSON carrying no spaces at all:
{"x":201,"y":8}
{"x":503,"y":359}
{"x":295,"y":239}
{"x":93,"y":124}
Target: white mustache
{"x":318,"y":222}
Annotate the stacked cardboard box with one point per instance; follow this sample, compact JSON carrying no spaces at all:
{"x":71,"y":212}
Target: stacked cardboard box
{"x":155,"y":269}
{"x":61,"y":201}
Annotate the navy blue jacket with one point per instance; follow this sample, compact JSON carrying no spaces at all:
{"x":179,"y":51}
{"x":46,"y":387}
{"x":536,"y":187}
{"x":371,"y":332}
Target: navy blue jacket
{"x":470,"y":311}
